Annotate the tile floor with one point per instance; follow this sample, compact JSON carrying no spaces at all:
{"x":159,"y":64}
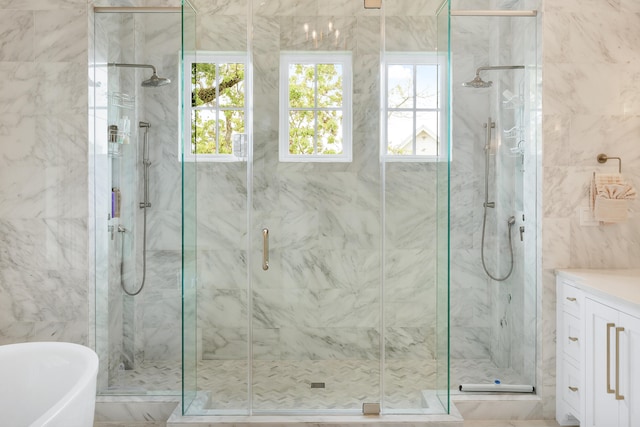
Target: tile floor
{"x":285,"y":385}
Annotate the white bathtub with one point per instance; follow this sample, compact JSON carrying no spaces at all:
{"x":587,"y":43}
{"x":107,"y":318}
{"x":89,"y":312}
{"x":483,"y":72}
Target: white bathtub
{"x":47,"y":384}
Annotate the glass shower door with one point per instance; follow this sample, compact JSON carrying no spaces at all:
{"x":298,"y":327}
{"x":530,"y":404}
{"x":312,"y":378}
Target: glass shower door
{"x":493,"y":206}
{"x":315,"y":325}
{"x":291,"y":253}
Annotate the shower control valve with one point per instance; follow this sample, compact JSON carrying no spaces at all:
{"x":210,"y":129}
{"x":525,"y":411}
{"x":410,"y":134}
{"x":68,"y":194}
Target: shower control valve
{"x":522,"y":233}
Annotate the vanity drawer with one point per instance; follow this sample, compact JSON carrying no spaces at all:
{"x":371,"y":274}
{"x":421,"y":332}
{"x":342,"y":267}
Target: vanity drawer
{"x":571,"y":388}
{"x":572,"y":299}
{"x":572,"y":336}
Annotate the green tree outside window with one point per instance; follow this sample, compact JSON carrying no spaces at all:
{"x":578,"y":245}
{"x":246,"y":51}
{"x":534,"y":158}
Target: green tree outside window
{"x":218,"y":102}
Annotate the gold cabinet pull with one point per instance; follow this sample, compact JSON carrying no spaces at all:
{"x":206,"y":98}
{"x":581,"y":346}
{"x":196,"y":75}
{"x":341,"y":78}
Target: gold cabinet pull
{"x":574,"y":339}
{"x":573,"y":389}
{"x":572,"y":299}
{"x":265,"y":249}
{"x":618,"y":395}
{"x":609,"y":326}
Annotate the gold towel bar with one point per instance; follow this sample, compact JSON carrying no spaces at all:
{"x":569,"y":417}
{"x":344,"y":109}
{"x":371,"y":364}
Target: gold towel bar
{"x":602,"y":158}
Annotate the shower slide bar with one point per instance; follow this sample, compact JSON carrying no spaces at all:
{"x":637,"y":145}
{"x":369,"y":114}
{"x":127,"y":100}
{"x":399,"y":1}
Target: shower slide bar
{"x":512,"y":13}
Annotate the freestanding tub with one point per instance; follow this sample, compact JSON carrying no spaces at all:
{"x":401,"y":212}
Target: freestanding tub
{"x":47,"y":384}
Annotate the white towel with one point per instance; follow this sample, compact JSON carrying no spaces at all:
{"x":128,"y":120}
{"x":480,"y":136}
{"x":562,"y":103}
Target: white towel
{"x":599,"y":180}
{"x":609,"y":196}
{"x":617,"y":191}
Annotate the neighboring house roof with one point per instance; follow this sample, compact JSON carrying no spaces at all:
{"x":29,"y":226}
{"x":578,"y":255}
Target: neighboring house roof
{"x":426,"y":141}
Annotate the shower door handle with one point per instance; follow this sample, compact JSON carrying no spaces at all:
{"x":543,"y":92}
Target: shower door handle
{"x":265,"y":249}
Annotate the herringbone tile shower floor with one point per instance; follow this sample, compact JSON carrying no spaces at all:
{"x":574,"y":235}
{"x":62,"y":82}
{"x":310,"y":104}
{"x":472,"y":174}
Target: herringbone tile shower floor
{"x":286,"y":385}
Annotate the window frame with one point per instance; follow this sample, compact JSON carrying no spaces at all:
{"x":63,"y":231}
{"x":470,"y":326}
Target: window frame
{"x":212,"y":58}
{"x":413,"y":59}
{"x":344,"y":58}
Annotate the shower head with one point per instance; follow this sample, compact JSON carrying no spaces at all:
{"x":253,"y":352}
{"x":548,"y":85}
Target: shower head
{"x":477,"y":83}
{"x":153,"y":81}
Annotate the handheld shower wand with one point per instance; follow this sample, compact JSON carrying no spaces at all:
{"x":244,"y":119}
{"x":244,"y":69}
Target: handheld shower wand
{"x":145,"y":204}
{"x":490,"y":205}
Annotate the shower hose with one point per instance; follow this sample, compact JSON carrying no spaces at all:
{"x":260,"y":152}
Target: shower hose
{"x":487,"y":153}
{"x":144,"y":205}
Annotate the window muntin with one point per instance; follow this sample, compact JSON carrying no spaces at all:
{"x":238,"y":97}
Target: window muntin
{"x":315,"y":107}
{"x":412,"y":106}
{"x":217,"y":106}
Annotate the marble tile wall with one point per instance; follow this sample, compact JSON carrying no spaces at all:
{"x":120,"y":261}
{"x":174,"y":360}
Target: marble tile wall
{"x":470,"y":290}
{"x":161,"y":318}
{"x":44,"y":247}
{"x":591,"y":68}
{"x":320,"y":298}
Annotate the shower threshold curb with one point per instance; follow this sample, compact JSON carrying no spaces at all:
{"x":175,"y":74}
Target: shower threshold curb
{"x":429,"y":420}
{"x":177,"y":420}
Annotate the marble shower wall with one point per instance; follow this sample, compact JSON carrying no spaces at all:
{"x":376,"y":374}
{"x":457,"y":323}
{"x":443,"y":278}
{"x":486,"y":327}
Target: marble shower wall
{"x":320,"y":297}
{"x":44,"y":281}
{"x":145,"y":327}
{"x":159,"y":315}
{"x":514,"y":42}
{"x":470,"y":291}
{"x":591,"y":83}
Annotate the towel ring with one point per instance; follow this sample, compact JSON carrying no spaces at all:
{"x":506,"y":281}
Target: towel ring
{"x":602,"y":158}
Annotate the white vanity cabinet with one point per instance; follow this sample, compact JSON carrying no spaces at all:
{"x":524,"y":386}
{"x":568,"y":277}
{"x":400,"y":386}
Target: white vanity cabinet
{"x":570,"y":354}
{"x":598,"y":349}
{"x":613,"y":367}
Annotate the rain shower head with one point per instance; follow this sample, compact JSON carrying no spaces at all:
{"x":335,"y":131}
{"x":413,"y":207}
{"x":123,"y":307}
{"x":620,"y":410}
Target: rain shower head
{"x":153,"y":81}
{"x":478,"y":83}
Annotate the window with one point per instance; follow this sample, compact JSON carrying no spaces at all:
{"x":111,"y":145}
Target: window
{"x":412,"y":106}
{"x":216,"y":104}
{"x":315,"y":107}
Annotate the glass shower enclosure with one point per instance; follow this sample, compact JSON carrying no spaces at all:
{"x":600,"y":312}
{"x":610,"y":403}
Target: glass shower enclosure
{"x":495,"y":124}
{"x":311,"y":228}
{"x":315,"y":213}
{"x":137,"y":175}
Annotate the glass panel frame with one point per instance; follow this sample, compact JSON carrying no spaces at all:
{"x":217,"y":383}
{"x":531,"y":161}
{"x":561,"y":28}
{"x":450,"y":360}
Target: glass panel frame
{"x":443,"y":264}
{"x":126,"y":339}
{"x":189,"y":276}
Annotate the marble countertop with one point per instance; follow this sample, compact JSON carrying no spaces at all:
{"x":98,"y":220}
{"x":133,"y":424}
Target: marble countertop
{"x":620,"y":285}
